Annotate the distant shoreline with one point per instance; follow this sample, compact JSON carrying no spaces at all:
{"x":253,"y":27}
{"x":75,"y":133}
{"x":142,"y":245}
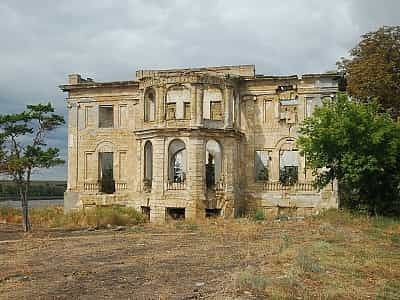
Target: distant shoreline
{"x":37,"y":203}
{"x":38,"y":198}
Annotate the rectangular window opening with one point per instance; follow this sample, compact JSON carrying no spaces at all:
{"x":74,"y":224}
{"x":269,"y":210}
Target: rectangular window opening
{"x":216,"y":110}
{"x":261,"y":165}
{"x":171,"y":111}
{"x":213,"y":212}
{"x":106,"y":116}
{"x":175,"y":213}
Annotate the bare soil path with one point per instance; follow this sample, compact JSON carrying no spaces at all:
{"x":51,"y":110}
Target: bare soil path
{"x":176,"y":261}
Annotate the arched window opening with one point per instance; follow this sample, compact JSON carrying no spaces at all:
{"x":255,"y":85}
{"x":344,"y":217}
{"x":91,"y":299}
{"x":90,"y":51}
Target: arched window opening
{"x":213,"y":163}
{"x":148,"y":165}
{"x":177,"y":162}
{"x":106,"y":174}
{"x":288,"y":164}
{"x":149,"y":105}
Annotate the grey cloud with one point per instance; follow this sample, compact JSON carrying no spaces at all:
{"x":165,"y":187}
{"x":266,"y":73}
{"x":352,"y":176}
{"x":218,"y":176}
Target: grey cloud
{"x":42,"y":41}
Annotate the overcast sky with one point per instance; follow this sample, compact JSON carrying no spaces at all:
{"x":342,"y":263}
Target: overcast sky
{"x":43,"y":41}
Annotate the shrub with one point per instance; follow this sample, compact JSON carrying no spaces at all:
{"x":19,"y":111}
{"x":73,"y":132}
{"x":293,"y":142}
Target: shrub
{"x":307,"y":263}
{"x":258,"y":215}
{"x":248,"y":279}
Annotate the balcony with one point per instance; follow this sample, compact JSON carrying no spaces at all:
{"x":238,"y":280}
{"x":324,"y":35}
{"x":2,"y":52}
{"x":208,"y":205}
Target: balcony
{"x":91,"y":186}
{"x":105,"y":186}
{"x":176,"y":186}
{"x":121,"y":186}
{"x":277,"y":186}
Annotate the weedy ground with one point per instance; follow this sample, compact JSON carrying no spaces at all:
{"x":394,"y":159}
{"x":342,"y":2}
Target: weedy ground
{"x":337,"y":255}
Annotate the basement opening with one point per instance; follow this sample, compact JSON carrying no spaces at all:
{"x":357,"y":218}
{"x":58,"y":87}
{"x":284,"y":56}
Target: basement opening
{"x":213,"y":212}
{"x":146,"y":212}
{"x":175,"y":213}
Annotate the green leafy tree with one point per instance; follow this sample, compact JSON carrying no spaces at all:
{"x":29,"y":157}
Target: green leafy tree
{"x":359,"y":146}
{"x":373,"y":70}
{"x":23,"y":147}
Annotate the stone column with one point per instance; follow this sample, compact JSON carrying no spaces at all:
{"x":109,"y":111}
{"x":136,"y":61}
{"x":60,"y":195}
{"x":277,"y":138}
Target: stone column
{"x":160,"y":91}
{"x":193,"y":105}
{"x":72,"y":146}
{"x":196,"y":171}
{"x":229,"y":158}
{"x":157,"y":205}
{"x":158,"y":165}
{"x":275,"y":165}
{"x":237,"y":110}
{"x":199,"y":105}
{"x":301,"y":108}
{"x":228,"y":92}
{"x":140,"y":170}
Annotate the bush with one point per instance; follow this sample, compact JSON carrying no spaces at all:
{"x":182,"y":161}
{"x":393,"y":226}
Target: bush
{"x":249,"y":279}
{"x":359,"y":146}
{"x":307,"y":263}
{"x":258,"y":215}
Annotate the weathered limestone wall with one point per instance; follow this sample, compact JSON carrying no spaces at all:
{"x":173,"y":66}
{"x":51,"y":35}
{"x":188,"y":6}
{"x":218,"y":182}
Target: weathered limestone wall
{"x":257,"y":113}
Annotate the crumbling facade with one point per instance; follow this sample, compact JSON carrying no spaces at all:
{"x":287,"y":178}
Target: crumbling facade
{"x":194,"y":142}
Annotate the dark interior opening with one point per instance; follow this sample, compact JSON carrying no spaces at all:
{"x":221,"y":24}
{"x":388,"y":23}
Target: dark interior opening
{"x":107,"y":183}
{"x":213,"y":212}
{"x":210,"y":172}
{"x":146,"y":212}
{"x":175,"y":213}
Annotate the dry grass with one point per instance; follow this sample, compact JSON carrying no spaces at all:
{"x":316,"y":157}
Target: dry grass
{"x":337,"y":255}
{"x":94,"y":217}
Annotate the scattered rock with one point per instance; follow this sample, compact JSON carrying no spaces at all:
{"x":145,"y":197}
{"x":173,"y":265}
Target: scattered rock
{"x":119,"y":228}
{"x":247,"y":293}
{"x":199,"y":284}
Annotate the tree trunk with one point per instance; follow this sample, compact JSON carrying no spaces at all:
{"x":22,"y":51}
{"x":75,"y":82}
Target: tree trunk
{"x":25,"y":211}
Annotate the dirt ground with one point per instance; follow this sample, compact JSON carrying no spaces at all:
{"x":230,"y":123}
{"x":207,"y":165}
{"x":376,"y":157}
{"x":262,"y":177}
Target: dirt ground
{"x":234,"y":259}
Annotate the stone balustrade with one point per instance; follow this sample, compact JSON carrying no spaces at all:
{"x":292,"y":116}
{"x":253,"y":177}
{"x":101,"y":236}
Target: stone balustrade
{"x":299,"y":186}
{"x":174,"y":186}
{"x":91,"y":186}
{"x":121,"y":186}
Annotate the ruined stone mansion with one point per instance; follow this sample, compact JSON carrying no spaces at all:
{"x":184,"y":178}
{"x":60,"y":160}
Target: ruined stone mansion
{"x":190,"y":143}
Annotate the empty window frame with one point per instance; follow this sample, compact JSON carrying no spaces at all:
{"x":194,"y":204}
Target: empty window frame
{"x":149,"y":106}
{"x":261,"y":164}
{"x":289,"y":166}
{"x":106,"y":172}
{"x":106,"y":116}
{"x":186,"y":110}
{"x":216,"y":110}
{"x":177,"y":161}
{"x":148,"y":165}
{"x":171,"y":111}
